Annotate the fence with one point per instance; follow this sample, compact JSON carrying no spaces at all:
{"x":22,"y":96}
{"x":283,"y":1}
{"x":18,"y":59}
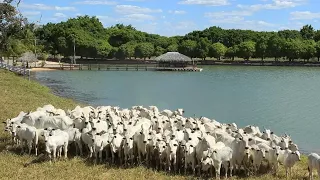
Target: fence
{"x":16,"y":69}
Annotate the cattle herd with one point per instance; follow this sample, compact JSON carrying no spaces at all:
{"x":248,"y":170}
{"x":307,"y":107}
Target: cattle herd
{"x":163,"y":140}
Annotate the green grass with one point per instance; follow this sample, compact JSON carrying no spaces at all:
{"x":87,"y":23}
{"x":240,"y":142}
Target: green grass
{"x":18,"y":94}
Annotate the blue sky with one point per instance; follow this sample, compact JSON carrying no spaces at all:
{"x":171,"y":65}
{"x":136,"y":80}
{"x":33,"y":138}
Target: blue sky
{"x":178,"y":17}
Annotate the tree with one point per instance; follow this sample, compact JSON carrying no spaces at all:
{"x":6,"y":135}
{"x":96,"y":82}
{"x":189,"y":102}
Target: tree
{"x":103,"y":48}
{"x":246,"y":49}
{"x":144,"y":50}
{"x":293,"y":49}
{"x":188,"y":48}
{"x":289,"y":34}
{"x":217,"y":50}
{"x":307,"y":32}
{"x":317,"y":36}
{"x":15,"y":47}
{"x":232,"y":52}
{"x":275,"y":47}
{"x":308,"y":49}
{"x":317,"y":50}
{"x":159,"y":51}
{"x":202,"y":48}
{"x":261,"y":47}
{"x":172,"y":48}
{"x":11,"y":23}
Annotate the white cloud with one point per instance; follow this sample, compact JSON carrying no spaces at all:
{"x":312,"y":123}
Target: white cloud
{"x":206,"y":2}
{"x":59,"y":15}
{"x":130,"y":9}
{"x":31,"y":13}
{"x":276,"y":4}
{"x":177,"y":12}
{"x":46,"y":7}
{"x":222,"y":14}
{"x":98,"y":2}
{"x":304,"y":15}
{"x":178,"y":28}
{"x":238,"y":22}
{"x":137,"y":17}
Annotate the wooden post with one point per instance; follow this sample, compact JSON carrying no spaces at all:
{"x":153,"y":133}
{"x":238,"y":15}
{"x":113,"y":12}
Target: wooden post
{"x":99,"y":67}
{"x":29,"y":75}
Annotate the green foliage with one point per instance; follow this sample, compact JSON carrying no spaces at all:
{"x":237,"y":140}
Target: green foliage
{"x":317,"y":50}
{"x":308,"y":49}
{"x":275,"y":47}
{"x":188,"y":48}
{"x":232,"y":52}
{"x":293,"y":49}
{"x":261,"y":47}
{"x":172,"y":48}
{"x":317,"y":35}
{"x":289,"y":34}
{"x":202,"y":49}
{"x":144,"y":50}
{"x":103,"y":48}
{"x":15,"y":47}
{"x":159,"y":51}
{"x":91,"y":39}
{"x":217,"y":50}
{"x":246,"y":49}
{"x":307,"y":32}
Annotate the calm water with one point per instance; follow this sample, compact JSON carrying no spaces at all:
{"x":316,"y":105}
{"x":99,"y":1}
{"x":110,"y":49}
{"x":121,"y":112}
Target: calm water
{"x":284,"y":99}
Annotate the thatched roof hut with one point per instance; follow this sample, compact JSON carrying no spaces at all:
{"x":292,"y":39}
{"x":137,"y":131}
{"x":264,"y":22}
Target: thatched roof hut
{"x":173,"y":56}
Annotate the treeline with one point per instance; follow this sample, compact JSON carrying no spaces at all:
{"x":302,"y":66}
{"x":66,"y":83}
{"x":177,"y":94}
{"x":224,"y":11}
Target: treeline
{"x":92,"y":40}
{"x":121,"y":42}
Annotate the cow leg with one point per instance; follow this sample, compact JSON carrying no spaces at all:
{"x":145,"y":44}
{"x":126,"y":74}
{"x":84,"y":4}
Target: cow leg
{"x":226,"y":167}
{"x":100,"y":156}
{"x":54,"y":152}
{"x":65,"y":151}
{"x":217,"y":166}
{"x":80,"y":147}
{"x":29,"y":146}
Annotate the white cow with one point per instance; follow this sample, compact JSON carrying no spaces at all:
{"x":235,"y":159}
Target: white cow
{"x":56,"y":122}
{"x":220,"y":157}
{"x":313,"y":163}
{"x":55,"y":142}
{"x":26,"y":133}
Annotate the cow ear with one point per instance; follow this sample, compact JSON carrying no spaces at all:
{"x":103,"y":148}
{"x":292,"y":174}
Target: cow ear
{"x":4,"y":122}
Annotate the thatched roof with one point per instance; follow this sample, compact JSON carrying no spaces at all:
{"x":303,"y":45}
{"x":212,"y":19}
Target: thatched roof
{"x":173,"y":56}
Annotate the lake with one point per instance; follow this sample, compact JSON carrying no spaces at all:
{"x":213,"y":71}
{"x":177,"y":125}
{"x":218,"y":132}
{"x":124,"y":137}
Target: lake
{"x":283,"y":99}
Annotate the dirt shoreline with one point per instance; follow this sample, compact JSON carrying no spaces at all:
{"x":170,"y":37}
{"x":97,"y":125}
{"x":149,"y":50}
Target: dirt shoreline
{"x":42,"y":69}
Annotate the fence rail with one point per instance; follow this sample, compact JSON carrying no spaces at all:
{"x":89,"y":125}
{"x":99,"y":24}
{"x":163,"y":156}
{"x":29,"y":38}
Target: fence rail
{"x":16,"y":69}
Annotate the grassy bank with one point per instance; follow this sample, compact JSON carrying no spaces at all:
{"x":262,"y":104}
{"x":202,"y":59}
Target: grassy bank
{"x":18,"y":94}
